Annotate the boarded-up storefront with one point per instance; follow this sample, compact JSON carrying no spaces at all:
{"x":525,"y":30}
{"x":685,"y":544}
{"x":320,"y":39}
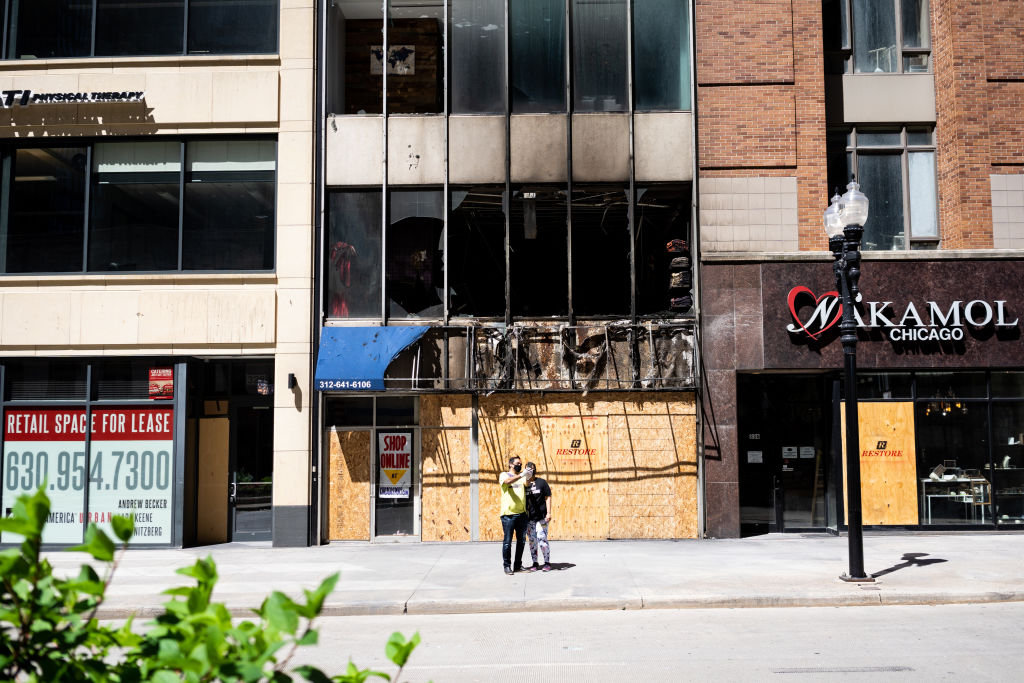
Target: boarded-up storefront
{"x":617,"y":468}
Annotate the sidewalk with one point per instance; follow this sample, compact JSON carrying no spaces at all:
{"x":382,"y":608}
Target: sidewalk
{"x":428,"y":578}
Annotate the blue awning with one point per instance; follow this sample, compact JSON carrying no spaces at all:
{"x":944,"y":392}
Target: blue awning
{"x":356,"y":358}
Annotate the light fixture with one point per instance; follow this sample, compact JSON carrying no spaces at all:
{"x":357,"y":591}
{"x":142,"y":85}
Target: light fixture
{"x":853,"y":206}
{"x":833,"y":218}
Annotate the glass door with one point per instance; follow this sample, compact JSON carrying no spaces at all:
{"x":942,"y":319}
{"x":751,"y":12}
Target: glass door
{"x":251,"y":473}
{"x":396,"y":495}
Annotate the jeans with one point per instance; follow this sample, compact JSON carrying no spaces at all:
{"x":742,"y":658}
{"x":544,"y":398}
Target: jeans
{"x":510,"y":523}
{"x":537,"y":533}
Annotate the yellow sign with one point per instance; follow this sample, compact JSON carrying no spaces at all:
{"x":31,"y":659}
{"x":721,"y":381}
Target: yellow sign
{"x":394,"y":475}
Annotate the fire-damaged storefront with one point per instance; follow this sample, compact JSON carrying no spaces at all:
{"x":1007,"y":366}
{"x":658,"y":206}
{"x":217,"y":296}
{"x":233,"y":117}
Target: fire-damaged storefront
{"x":606,"y":412}
{"x":940,"y":392}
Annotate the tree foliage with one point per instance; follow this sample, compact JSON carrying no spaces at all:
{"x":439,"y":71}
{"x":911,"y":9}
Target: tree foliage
{"x":49,"y":631}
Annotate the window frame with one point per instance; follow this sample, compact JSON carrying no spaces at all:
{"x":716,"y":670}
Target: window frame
{"x":854,"y":150}
{"x":9,"y":149}
{"x":7,"y":46}
{"x":846,"y":52}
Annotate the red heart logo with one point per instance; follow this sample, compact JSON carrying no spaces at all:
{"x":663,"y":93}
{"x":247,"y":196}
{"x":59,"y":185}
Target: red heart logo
{"x":796,"y":292}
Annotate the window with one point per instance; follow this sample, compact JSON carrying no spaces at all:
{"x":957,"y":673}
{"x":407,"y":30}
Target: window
{"x":888,"y":36}
{"x":415,"y":252}
{"x":229,"y":205}
{"x":599,"y":63}
{"x":537,"y":51}
{"x":535,"y":73}
{"x":477,"y":71}
{"x":535,"y":226}
{"x":538,"y":241}
{"x":138,"y":218}
{"x":896,"y":170}
{"x":48,"y":29}
{"x":476,"y":243}
{"x":661,"y":55}
{"x":353,"y":253}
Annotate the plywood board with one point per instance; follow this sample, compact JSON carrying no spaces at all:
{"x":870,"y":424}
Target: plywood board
{"x":446,"y":410}
{"x":445,"y":498}
{"x":888,"y":462}
{"x":653,"y":476}
{"x":348,"y":500}
{"x":212,"y":481}
{"x":645,"y":482}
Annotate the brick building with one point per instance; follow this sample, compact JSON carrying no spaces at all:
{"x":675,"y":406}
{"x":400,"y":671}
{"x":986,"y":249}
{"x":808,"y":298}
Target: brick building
{"x":923,"y":102}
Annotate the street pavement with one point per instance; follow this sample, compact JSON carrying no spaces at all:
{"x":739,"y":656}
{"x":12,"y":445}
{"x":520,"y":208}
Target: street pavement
{"x":461,"y":578}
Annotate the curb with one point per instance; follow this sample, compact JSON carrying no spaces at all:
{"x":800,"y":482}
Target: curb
{"x":438,"y":607}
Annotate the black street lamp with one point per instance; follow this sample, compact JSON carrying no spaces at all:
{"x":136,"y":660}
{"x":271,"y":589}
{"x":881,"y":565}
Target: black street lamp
{"x":844,"y":223}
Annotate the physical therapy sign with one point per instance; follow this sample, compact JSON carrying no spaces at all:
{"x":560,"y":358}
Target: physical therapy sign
{"x":924,"y":321}
{"x":395,"y":476}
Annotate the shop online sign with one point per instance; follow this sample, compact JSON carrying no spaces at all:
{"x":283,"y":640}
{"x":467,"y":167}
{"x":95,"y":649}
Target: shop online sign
{"x":395,"y":478}
{"x":127,"y":469}
{"x":929,"y":322}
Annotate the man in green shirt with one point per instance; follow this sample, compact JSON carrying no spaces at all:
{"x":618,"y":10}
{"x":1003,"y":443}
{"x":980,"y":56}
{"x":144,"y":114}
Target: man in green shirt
{"x":513,"y":512}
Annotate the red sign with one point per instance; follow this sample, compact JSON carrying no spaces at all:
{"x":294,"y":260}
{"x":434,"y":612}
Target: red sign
{"x":45,"y":424}
{"x":161,"y":382}
{"x":130,"y":424}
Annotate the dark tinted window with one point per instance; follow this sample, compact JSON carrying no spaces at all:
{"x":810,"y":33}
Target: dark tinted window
{"x":139,"y":27}
{"x":44,"y":29}
{"x":600,"y":251}
{"x":47,"y":209}
{"x":134,"y":206}
{"x":348,"y":412}
{"x":476,"y":252}
{"x":228,"y":222}
{"x":538,"y":241}
{"x":232,"y":26}
{"x":45,"y":379}
{"x":537,"y":33}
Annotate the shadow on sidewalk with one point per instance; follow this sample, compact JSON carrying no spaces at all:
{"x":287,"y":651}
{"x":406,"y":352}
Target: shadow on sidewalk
{"x":910,"y":560}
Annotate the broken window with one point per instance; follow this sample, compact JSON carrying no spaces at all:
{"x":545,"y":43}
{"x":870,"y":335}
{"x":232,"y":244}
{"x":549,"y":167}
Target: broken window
{"x":662,"y":214}
{"x":476,"y":252}
{"x":415,"y":250}
{"x":600,"y":251}
{"x":538,"y":241}
{"x":353,"y":254}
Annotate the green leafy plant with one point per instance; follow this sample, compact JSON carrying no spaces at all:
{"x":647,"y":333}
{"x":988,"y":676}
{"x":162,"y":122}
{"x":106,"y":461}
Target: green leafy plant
{"x":49,"y":630}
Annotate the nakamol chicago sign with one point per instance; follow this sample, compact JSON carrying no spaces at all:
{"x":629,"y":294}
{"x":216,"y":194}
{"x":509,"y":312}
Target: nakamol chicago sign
{"x":924,"y":321}
{"x":915,"y":313}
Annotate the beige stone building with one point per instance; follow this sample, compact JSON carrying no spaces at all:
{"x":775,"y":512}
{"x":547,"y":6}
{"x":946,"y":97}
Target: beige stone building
{"x":155,"y":265}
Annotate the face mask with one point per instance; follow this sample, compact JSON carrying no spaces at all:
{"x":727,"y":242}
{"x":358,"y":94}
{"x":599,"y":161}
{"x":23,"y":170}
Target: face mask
{"x":517,"y":468}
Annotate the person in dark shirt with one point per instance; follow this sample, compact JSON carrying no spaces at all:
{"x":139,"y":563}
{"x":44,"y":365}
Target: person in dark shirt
{"x":538,"y":510}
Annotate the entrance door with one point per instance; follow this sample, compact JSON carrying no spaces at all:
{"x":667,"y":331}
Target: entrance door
{"x":251,"y":471}
{"x":784,"y":424}
{"x":396,"y":494}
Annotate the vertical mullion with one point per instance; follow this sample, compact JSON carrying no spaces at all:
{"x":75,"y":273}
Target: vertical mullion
{"x":445,"y":199}
{"x":386,"y":11}
{"x":507,"y":200}
{"x":568,"y":151}
{"x":898,"y":9}
{"x":88,"y":446}
{"x":181,"y":202}
{"x":92,"y":34}
{"x":184,"y":28}
{"x":905,"y":172}
{"x":7,"y":10}
{"x":86,"y":208}
{"x":631,"y":104}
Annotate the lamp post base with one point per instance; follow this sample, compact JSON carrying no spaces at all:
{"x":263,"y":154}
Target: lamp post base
{"x":851,"y":579}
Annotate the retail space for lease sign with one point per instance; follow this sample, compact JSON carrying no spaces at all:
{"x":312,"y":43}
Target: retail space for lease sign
{"x":126,"y":469}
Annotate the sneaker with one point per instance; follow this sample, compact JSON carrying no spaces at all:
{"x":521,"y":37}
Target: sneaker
{"x":534,"y":568}
{"x":546,"y":568}
{"x":518,"y":568}
{"x":508,"y":570}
